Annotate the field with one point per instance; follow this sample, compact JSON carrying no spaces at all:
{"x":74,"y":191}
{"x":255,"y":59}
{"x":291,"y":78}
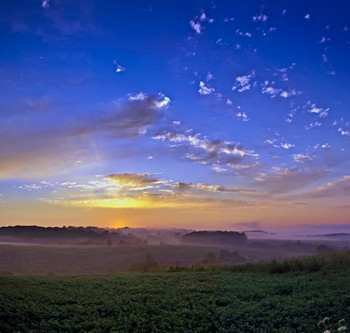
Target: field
{"x":77,"y":260}
{"x":290,"y":296}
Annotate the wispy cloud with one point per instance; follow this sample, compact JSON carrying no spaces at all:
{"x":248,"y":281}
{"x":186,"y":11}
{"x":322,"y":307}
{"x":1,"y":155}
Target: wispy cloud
{"x":200,"y":149}
{"x":27,"y":154}
{"x":284,"y":180}
{"x":267,"y":88}
{"x":337,"y":188}
{"x":312,"y":108}
{"x":133,"y":179}
{"x":302,"y":158}
{"x":45,"y":3}
{"x":137,"y":191}
{"x":118,"y":68}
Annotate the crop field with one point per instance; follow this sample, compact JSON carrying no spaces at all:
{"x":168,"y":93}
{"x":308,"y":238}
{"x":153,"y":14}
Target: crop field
{"x":291,"y":296}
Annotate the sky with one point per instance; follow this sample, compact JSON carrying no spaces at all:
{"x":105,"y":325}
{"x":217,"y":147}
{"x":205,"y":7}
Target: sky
{"x":184,"y":114}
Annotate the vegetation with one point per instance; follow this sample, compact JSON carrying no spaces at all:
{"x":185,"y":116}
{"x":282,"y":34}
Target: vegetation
{"x":215,"y":237}
{"x":289,"y":296}
{"x":327,"y":264}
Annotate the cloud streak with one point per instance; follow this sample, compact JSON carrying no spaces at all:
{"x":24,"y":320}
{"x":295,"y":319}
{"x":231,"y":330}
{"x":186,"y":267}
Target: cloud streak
{"x":284,"y":180}
{"x":200,"y":149}
{"x":26,"y":153}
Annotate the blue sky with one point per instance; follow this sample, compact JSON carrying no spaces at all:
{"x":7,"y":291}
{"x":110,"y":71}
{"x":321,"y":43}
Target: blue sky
{"x":186,"y":113}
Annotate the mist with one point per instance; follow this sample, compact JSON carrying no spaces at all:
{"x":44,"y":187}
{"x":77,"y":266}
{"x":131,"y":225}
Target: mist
{"x":91,"y":250}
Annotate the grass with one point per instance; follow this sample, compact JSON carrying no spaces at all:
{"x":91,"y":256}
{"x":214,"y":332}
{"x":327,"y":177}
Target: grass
{"x":288,"y":296}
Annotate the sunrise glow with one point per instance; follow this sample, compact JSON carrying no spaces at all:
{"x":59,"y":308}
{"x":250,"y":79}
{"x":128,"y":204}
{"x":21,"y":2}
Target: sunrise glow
{"x":201,"y":115}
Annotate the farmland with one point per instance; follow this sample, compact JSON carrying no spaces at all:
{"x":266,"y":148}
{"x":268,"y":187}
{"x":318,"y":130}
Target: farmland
{"x":289,"y":296}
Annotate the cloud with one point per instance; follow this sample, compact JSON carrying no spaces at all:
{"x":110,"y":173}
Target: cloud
{"x":337,"y":188}
{"x":218,"y":168}
{"x":302,"y":158}
{"x":314,"y":109}
{"x":260,"y":17}
{"x":197,"y":23}
{"x":180,"y":186}
{"x":279,"y":142}
{"x":196,"y":26}
{"x":284,"y":180}
{"x":119,"y":68}
{"x":204,"y":90}
{"x":245,"y":34}
{"x":270,"y":90}
{"x":286,"y":94}
{"x":200,"y":149}
{"x":133,"y":179}
{"x":131,"y":119}
{"x":204,"y":18}
{"x":209,"y":77}
{"x":343,"y":132}
{"x":135,"y":191}
{"x":219,"y":188}
{"x":45,"y":3}
{"x":243,"y":82}
{"x":149,"y":201}
{"x":314,"y":124}
{"x":287,"y":145}
{"x":243,"y":116}
{"x":27,"y":153}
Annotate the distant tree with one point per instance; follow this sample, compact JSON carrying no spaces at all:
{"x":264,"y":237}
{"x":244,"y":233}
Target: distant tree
{"x":225,"y":257}
{"x":150,"y":263}
{"x":322,"y":248}
{"x":237,"y":258}
{"x":209,"y":258}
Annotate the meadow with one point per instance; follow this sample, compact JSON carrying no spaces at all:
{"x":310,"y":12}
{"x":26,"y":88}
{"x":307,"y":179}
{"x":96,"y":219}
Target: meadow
{"x":31,"y":259}
{"x":287,"y":296}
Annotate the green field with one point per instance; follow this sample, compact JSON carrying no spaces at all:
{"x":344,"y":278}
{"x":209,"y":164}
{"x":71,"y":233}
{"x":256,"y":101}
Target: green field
{"x":291,"y":296}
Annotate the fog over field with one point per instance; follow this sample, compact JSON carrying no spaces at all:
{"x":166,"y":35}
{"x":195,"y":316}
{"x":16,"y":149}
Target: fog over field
{"x":91,"y":250}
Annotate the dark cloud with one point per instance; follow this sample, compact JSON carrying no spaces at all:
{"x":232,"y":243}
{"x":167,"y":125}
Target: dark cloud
{"x":131,"y":179}
{"x":182,"y":186}
{"x":132,"y":118}
{"x":210,"y":188}
{"x":219,"y":188}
